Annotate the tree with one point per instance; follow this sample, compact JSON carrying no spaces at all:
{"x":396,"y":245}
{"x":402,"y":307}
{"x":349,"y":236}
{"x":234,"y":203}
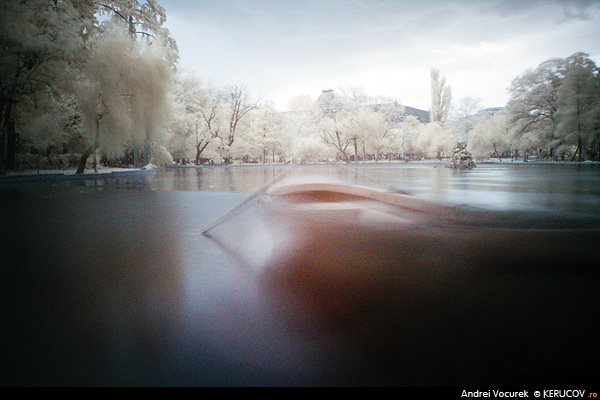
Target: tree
{"x":124,"y":100}
{"x":185,"y":98}
{"x":238,"y":105}
{"x":577,"y":96}
{"x":211,"y":122}
{"x":435,"y":140}
{"x":145,"y":19}
{"x":334,"y":131}
{"x":462,"y":115}
{"x":406,"y":136}
{"x":537,"y":95}
{"x":222,"y":112}
{"x":47,"y":122}
{"x":265,"y":132}
{"x":532,"y":104}
{"x":45,"y":45}
{"x":441,"y":97}
{"x":342,"y":119}
{"x":301,"y":128}
{"x":489,"y":135}
{"x":40,"y":40}
{"x":379,"y":123}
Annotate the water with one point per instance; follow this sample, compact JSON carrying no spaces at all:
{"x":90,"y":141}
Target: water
{"x":553,"y":188}
{"x":111,"y":282}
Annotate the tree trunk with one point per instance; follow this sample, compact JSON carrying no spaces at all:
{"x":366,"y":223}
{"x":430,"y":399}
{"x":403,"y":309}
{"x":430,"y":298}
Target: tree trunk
{"x":83,"y":160}
{"x":4,"y":132}
{"x":2,"y":141}
{"x":199,"y":149}
{"x":496,"y":151}
{"x":578,"y":150}
{"x":11,"y":146}
{"x":86,"y":154}
{"x":147,"y":153}
{"x":136,"y":156}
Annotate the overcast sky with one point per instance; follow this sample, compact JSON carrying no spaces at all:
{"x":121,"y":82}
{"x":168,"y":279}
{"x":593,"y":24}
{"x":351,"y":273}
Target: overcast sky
{"x":283,"y":48}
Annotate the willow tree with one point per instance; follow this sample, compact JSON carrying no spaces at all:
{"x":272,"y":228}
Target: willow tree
{"x":125,"y":98}
{"x":144,"y":21}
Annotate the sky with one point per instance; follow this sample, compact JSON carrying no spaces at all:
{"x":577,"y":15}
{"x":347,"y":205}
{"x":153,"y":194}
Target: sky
{"x":280,"y":49}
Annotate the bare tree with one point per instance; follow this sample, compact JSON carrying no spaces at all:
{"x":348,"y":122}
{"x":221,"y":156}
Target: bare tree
{"x":463,"y":115}
{"x":208,"y":126}
{"x":332,"y":133}
{"x":239,"y":105}
{"x":236,"y":104}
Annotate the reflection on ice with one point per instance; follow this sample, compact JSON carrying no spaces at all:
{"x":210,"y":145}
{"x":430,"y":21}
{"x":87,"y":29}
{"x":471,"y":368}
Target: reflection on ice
{"x":414,"y":292}
{"x":309,"y":281}
{"x":244,"y":235}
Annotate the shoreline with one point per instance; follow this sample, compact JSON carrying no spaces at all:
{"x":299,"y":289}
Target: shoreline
{"x":48,"y":177}
{"x":107,"y":171}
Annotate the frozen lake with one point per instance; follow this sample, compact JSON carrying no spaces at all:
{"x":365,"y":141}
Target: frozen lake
{"x":110,"y":282}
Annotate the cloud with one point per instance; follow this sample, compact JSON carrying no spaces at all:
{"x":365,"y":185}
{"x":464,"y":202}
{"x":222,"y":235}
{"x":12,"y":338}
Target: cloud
{"x":277,"y":47}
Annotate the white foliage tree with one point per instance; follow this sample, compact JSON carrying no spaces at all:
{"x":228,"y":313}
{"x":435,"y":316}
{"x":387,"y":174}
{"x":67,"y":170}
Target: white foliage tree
{"x":46,"y":121}
{"x":343,"y":123}
{"x":382,"y":124}
{"x":265,"y":133}
{"x":125,"y":96}
{"x":185,"y":97}
{"x":141,"y":18}
{"x":532,"y":105}
{"x":576,"y":109}
{"x":489,"y":136}
{"x":406,"y":137}
{"x":441,"y":97}
{"x":461,"y":115}
{"x":40,"y":42}
{"x":300,"y":128}
{"x":552,"y":106}
{"x":45,"y":46}
{"x":435,"y":140}
{"x":226,"y":115}
{"x":212,"y":124}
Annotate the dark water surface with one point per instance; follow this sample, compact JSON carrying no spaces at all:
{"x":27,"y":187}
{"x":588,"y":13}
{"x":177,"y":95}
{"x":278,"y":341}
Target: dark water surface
{"x":112,"y":283}
{"x":498,"y":186}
